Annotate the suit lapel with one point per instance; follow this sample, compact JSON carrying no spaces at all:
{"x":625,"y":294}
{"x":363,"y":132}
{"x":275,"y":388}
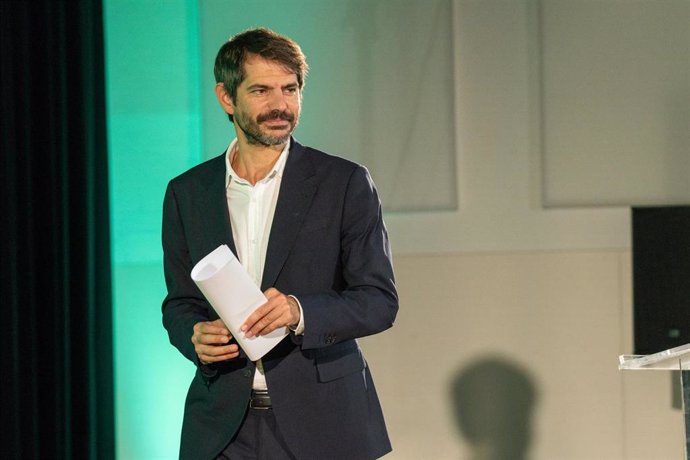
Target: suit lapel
{"x":219,"y":231}
{"x":296,"y":192}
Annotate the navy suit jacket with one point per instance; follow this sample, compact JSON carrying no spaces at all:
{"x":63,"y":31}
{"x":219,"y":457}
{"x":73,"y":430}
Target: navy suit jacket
{"x":328,"y":247}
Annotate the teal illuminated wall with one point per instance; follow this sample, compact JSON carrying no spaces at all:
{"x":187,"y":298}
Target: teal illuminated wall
{"x":152,"y":69}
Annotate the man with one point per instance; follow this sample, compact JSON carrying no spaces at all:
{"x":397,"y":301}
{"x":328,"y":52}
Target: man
{"x":308,"y":228}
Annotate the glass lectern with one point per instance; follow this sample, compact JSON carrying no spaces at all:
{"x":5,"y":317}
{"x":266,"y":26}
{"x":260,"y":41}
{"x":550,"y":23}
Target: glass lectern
{"x":674,"y":359}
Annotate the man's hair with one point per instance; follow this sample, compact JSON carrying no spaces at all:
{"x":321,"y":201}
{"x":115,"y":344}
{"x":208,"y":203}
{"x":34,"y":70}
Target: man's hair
{"x":229,"y":65}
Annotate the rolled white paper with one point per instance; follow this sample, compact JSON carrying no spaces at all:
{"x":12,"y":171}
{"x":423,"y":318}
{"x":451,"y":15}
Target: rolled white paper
{"x":232,"y":293}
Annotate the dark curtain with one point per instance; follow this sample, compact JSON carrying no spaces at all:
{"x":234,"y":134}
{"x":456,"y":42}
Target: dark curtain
{"x":56,"y":350}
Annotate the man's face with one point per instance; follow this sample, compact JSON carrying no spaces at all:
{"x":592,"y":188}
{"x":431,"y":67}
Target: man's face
{"x":267,"y":105}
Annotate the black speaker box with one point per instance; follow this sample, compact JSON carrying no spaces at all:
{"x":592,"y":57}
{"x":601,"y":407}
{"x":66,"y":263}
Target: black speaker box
{"x":661,"y":277}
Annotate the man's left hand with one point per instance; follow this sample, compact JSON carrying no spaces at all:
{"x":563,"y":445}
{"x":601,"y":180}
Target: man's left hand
{"x":279,"y":311}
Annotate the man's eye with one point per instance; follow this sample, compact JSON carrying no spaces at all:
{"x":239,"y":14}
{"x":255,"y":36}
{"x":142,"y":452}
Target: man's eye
{"x":259,"y":91}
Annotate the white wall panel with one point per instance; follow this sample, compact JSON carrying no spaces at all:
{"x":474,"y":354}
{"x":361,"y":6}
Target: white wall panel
{"x":616,"y":101}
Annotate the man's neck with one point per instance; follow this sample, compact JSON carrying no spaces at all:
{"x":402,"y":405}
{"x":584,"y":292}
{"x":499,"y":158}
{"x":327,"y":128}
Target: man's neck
{"x":252,"y":162}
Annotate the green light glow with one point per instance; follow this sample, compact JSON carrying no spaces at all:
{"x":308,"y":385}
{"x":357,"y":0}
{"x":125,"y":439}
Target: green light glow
{"x":152,"y":70}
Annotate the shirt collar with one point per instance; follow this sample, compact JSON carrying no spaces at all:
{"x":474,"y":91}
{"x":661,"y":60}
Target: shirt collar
{"x":277,"y":169}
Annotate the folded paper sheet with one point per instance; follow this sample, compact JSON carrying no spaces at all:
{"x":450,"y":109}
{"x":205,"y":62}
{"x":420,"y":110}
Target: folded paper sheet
{"x":229,"y":289}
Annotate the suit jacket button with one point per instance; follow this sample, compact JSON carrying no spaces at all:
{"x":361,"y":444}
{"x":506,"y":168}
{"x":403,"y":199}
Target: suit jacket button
{"x":247,"y":373}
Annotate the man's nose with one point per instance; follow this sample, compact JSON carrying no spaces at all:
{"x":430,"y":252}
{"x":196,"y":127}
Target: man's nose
{"x":278,"y":101}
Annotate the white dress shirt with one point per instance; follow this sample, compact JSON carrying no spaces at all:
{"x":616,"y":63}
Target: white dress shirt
{"x":251,"y":209}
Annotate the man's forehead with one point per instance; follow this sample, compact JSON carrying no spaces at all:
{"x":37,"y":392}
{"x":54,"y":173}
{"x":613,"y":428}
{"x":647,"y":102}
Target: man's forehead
{"x":257,"y":68}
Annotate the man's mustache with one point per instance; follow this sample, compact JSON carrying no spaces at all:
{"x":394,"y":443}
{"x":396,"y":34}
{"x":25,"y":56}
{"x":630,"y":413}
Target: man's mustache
{"x":275,"y":115}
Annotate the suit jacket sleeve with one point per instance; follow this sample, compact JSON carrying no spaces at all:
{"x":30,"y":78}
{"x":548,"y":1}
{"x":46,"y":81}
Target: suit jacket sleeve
{"x":184,"y":304}
{"x":369,"y":302}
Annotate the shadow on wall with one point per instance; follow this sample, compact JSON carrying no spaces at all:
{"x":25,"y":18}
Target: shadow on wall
{"x":494,"y":400}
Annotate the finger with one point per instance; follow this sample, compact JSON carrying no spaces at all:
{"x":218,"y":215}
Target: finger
{"x":214,"y":359}
{"x":212,"y":327}
{"x":206,"y":352}
{"x":206,"y":338}
{"x":275,"y":318}
{"x":258,"y":320}
{"x":271,"y":292}
{"x":256,"y":316}
{"x":211,"y":339}
{"x":218,"y":323}
{"x":215,"y":350}
{"x":260,"y":327}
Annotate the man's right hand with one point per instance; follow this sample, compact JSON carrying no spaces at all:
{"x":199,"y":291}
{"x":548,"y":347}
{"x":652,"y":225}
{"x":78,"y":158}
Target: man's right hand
{"x":210,"y":341}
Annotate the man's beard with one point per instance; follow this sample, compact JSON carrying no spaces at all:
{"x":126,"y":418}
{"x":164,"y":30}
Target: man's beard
{"x":252,"y":128}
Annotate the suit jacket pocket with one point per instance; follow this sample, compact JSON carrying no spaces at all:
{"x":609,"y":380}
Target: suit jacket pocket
{"x":340,"y":360}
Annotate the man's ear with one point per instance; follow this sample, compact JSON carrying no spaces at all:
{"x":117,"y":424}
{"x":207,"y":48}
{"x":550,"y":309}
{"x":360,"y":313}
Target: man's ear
{"x":224,"y":99}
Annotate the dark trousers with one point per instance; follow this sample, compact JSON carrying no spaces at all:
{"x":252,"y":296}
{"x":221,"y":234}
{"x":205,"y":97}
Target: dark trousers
{"x":258,"y":439}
